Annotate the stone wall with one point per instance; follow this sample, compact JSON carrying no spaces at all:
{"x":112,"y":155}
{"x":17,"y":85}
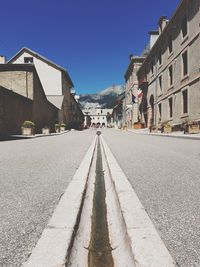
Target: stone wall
{"x":161,"y":87}
{"x":14,"y":110}
{"x":44,"y":113}
{"x":25,"y":99}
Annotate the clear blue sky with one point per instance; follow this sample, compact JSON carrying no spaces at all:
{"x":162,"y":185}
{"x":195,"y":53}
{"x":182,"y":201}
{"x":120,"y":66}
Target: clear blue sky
{"x":91,"y":38}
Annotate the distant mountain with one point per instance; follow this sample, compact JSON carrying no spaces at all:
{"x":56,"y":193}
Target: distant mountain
{"x":105,"y":98}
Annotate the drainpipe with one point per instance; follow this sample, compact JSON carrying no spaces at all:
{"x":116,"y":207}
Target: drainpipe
{"x":26,"y":84}
{"x":156,"y":94}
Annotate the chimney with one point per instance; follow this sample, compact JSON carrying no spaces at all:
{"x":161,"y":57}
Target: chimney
{"x":2,"y":59}
{"x":153,"y":37}
{"x":162,"y":23}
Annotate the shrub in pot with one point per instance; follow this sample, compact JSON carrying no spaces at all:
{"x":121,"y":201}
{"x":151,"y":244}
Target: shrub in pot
{"x":191,"y":127}
{"x":166,"y":127}
{"x":46,"y":130}
{"x":62,"y":127}
{"x":28,"y":128}
{"x":57,"y":128}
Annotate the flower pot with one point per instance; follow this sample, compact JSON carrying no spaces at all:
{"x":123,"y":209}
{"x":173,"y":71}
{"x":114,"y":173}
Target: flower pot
{"x":153,"y":129}
{"x":45,"y":130}
{"x":192,"y":129}
{"x":137,"y":125}
{"x":57,"y":130}
{"x":62,"y":128}
{"x":28,"y":131}
{"x":167,"y":129}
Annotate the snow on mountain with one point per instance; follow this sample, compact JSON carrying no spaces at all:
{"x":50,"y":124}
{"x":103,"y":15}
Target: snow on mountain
{"x":104,"y":98}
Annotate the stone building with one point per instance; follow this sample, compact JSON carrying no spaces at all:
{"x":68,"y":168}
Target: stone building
{"x":117,"y":114}
{"x":170,"y":74}
{"x":76,"y":115}
{"x":22,"y":98}
{"x":55,"y":80}
{"x":131,"y":101}
{"x":98,"y":116}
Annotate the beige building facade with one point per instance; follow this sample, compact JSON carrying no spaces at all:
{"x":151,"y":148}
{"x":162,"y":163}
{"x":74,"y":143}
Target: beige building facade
{"x":22,"y":98}
{"x":98,"y":116}
{"x":55,"y":80}
{"x":170,"y":73}
{"x":131,"y":100}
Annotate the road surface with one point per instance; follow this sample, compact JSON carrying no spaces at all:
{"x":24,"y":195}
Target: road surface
{"x":165,"y":173}
{"x":34,"y":174}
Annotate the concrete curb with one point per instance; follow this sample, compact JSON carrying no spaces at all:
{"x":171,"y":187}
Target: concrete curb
{"x":119,"y":240}
{"x":36,"y":135}
{"x":147,"y":247}
{"x":190,"y":137}
{"x":56,"y":240}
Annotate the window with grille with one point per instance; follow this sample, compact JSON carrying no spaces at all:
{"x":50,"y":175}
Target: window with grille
{"x":185,"y":63}
{"x":184,"y":26}
{"x":170,"y":70}
{"x":185,"y":101}
{"x":170,"y":107}
{"x":170,"y":44}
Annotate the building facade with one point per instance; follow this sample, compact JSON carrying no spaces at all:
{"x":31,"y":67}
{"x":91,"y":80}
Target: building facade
{"x":117,"y":114}
{"x":76,"y":114}
{"x":170,"y":74}
{"x":55,"y":80}
{"x":131,"y":100}
{"x":98,"y":116}
{"x":22,"y":98}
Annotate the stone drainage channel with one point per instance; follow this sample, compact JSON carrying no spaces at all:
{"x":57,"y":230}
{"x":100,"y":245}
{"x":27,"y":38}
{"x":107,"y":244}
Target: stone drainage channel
{"x":92,"y":239}
{"x":99,"y":221}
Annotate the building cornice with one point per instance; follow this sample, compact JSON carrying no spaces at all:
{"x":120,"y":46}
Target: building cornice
{"x":180,"y":7}
{"x":134,"y":60}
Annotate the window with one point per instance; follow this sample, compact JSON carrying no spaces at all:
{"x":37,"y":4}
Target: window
{"x":185,"y":63}
{"x":184,"y":26}
{"x":170,"y":44}
{"x":160,"y":58}
{"x":28,"y":60}
{"x":170,"y":107}
{"x":152,"y":66}
{"x":170,"y":70}
{"x":185,"y":101}
{"x":160,"y":83}
{"x":160,"y":110}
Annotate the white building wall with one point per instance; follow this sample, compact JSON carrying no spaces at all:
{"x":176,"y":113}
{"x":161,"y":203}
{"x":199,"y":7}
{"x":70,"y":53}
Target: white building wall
{"x":50,"y":77}
{"x":97,"y":115}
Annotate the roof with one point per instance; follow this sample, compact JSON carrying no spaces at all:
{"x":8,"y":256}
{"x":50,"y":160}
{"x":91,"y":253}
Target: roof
{"x":35,"y":54}
{"x":56,"y":100}
{"x":134,"y":59}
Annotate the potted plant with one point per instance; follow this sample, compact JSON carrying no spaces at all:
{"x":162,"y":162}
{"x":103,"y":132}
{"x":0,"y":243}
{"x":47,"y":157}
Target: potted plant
{"x":137,"y":125}
{"x":62,"y":127}
{"x":125,"y":126}
{"x":166,"y":127}
{"x":153,"y":129}
{"x":57,"y":128}
{"x":28,"y":128}
{"x":46,"y":130}
{"x":191,"y":127}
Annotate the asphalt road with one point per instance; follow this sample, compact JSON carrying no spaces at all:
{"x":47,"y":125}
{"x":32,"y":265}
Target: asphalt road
{"x":33,"y":175}
{"x":165,"y":173}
